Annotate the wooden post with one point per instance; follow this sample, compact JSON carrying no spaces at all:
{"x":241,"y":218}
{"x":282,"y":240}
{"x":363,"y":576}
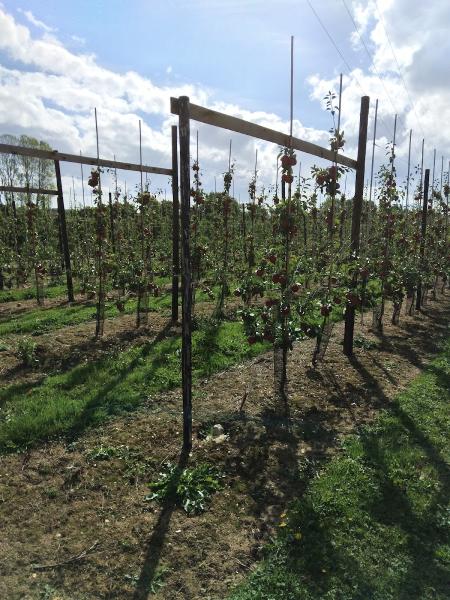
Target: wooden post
{"x":186,"y":274}
{"x":63,"y":230}
{"x":175,"y":225}
{"x":423,"y":234}
{"x":356,"y":217}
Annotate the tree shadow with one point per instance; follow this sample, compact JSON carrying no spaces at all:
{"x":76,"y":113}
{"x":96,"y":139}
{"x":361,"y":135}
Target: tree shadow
{"x":87,"y":415}
{"x":155,"y":543}
{"x":393,"y":508}
{"x":433,"y":455}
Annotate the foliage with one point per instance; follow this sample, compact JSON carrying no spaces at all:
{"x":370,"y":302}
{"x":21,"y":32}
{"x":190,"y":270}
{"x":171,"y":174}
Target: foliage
{"x":189,"y":488}
{"x":26,"y":351}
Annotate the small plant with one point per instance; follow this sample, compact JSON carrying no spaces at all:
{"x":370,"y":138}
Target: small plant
{"x":156,"y":583}
{"x":364,"y":343}
{"x":102,"y":453}
{"x":189,"y":488}
{"x":26,"y":351}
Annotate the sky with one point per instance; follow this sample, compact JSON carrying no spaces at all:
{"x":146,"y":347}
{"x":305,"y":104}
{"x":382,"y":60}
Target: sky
{"x":59,"y":60}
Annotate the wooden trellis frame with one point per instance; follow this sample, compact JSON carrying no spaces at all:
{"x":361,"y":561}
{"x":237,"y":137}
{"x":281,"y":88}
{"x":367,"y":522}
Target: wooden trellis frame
{"x":186,"y":112}
{"x":58,"y":157}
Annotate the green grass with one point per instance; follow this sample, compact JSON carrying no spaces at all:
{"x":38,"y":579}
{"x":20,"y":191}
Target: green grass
{"x":19,"y":294}
{"x":89,"y":393}
{"x":42,"y":320}
{"x":375,"y":523}
{"x":45,"y":319}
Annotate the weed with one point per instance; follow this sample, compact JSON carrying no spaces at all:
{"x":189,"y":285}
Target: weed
{"x":190,"y":488}
{"x":155,"y":584}
{"x":364,"y":343}
{"x":26,"y":351}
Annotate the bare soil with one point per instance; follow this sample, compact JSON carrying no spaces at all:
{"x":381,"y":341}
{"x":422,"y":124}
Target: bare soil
{"x":56,"y":501}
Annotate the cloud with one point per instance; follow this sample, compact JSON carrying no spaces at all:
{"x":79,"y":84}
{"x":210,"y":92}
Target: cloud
{"x":36,"y":22}
{"x":77,"y":39}
{"x":52,"y":91}
{"x":49,"y":91}
{"x":408,"y":45}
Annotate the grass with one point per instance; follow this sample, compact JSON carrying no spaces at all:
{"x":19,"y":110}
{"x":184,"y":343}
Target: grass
{"x":45,"y":319}
{"x":375,"y":523}
{"x":89,"y":393}
{"x":19,"y":294}
{"x":42,"y":320}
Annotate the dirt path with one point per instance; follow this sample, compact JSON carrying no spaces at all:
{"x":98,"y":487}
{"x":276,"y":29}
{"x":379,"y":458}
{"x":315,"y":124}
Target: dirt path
{"x":56,"y":502}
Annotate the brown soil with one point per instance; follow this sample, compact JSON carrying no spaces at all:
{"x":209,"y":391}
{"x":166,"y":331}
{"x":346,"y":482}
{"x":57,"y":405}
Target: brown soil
{"x":56,"y":502}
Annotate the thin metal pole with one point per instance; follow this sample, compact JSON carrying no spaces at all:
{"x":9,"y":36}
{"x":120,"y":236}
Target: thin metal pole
{"x":82,"y":184}
{"x":409,"y":169}
{"x":292,"y":87}
{"x":371,"y":167}
{"x":64,"y":236}
{"x":140,"y":154}
{"x":421,"y":165}
{"x":393,"y":145}
{"x":423,"y":234}
{"x":432,"y":178}
{"x":340,"y":103}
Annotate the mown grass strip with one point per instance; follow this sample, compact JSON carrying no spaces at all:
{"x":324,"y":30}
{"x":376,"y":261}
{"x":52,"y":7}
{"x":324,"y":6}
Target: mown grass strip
{"x":44,"y":319}
{"x":89,"y":393}
{"x":20,"y":294}
{"x":375,"y":523}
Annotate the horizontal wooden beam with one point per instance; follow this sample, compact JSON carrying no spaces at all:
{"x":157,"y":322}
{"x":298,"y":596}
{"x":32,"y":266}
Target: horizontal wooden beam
{"x":27,"y":190}
{"x":84,"y":160}
{"x":212,"y":117}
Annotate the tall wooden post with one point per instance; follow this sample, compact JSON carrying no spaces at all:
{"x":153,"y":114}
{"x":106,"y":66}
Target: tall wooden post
{"x":63,"y":230}
{"x":423,"y":234}
{"x":356,"y":217}
{"x":175,"y":225}
{"x":186,"y":273}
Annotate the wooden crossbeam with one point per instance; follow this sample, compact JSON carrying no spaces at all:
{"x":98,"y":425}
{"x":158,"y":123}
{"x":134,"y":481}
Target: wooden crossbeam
{"x":218,"y":119}
{"x":84,"y":160}
{"x":27,"y":190}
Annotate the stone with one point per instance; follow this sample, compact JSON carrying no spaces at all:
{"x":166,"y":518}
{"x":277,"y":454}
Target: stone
{"x":217,"y":430}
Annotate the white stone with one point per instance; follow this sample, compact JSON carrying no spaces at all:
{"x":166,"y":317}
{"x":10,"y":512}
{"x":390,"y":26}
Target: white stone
{"x":217,"y":430}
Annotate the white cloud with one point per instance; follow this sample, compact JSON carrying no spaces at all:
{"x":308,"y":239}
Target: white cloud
{"x":409,"y":72}
{"x":77,"y":39}
{"x":52,"y":92}
{"x":169,"y":70}
{"x":34,"y":21}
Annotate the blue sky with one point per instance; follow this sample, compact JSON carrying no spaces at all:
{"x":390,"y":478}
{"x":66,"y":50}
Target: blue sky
{"x":234,"y":55}
{"x":238,"y":49}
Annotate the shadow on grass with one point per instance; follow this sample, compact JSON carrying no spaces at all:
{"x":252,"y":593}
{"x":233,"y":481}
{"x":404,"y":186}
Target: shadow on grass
{"x":394,"y":507}
{"x":87,"y":416}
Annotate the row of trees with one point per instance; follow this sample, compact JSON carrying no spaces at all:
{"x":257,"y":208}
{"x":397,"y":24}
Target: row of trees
{"x":283,"y":252}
